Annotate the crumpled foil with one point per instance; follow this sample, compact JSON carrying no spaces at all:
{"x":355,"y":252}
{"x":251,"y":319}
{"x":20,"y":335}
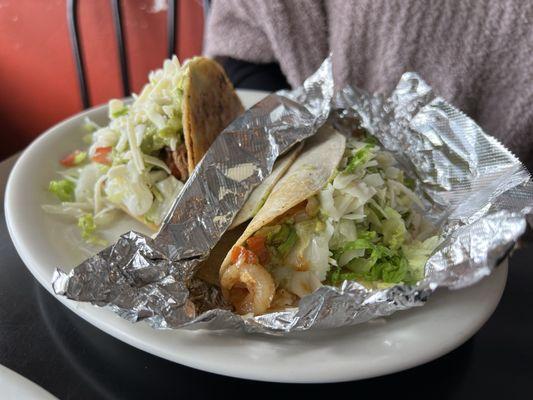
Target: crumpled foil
{"x":477,"y":193}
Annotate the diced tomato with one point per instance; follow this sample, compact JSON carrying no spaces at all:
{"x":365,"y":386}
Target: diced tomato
{"x":241,"y":254}
{"x":257,"y":244}
{"x":69,"y":161}
{"x":101,"y":155}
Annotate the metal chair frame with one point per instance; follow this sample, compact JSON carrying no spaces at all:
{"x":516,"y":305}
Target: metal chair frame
{"x":77,"y":52}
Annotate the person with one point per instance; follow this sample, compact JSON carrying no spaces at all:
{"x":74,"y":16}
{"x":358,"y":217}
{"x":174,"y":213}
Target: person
{"x":475,"y":54}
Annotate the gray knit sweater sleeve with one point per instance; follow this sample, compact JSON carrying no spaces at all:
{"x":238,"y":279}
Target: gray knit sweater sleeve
{"x":274,"y":30}
{"x":477,"y":54}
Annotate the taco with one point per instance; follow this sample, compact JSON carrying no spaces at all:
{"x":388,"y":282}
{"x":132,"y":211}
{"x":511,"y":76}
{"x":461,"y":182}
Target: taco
{"x":139,"y":162}
{"x":209,"y":269}
{"x":342,"y":211}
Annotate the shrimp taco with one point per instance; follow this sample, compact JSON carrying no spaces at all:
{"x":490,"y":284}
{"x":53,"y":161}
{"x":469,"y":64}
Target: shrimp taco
{"x":139,"y":162}
{"x":209,"y":269}
{"x":342,"y":211}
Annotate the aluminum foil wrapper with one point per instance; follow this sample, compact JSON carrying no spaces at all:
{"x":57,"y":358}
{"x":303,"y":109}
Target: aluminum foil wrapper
{"x":477,"y":193}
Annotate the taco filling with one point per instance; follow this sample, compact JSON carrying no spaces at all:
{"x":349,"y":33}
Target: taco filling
{"x":363,"y":225}
{"x":140,"y":160}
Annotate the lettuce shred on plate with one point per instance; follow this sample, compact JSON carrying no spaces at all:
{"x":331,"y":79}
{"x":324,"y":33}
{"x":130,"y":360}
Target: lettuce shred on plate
{"x":122,"y":169}
{"x":363,"y":226}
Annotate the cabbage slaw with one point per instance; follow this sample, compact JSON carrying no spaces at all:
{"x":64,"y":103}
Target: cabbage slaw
{"x":365,"y":225}
{"x":122,"y":169}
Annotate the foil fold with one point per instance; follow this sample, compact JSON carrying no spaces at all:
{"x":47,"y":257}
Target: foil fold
{"x":478,"y":196}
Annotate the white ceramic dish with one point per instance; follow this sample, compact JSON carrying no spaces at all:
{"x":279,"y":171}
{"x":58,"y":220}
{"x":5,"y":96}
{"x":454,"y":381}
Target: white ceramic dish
{"x":404,"y":340}
{"x":16,"y":387}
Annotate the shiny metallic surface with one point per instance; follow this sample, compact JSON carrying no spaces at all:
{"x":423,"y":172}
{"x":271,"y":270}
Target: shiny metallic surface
{"x":477,"y":196}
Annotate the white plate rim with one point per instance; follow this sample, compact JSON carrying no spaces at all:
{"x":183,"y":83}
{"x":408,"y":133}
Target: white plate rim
{"x":19,"y":387}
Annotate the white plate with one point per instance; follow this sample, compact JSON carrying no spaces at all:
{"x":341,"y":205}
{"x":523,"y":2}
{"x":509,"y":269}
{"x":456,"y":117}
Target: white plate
{"x":406,"y":339}
{"x":16,"y":387}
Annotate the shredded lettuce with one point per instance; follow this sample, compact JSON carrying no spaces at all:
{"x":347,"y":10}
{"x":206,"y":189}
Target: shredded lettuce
{"x":89,"y":125}
{"x":86,"y":225}
{"x":383,"y":248}
{"x":379,"y":264}
{"x":417,"y":253}
{"x":68,"y":209}
{"x":152,"y":142}
{"x":302,"y":283}
{"x":311,"y":250}
{"x":117,"y":108}
{"x":394,"y":231}
{"x":87,"y":229}
{"x":165,"y":191}
{"x":85,"y":183}
{"x":359,"y":158}
{"x":366,"y":228}
{"x":284,"y":239}
{"x":80,"y":157}
{"x":390,"y":270}
{"x":133,"y":175}
{"x":63,"y":189}
{"x":124,"y":186}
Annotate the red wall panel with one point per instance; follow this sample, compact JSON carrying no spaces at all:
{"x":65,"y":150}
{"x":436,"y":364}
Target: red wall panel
{"x":38,"y":84}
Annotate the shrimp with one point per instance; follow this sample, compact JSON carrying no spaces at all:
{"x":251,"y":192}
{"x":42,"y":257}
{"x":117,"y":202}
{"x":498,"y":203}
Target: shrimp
{"x":249,"y":287}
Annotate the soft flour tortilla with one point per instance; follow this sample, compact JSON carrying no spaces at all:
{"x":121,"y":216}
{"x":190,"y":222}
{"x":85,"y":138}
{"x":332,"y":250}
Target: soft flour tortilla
{"x":208,"y":270}
{"x":303,"y":179}
{"x":259,"y":195}
{"x":210,"y":103}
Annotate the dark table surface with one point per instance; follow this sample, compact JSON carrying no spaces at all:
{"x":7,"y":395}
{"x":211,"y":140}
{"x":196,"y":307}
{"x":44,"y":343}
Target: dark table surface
{"x":50,"y":345}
